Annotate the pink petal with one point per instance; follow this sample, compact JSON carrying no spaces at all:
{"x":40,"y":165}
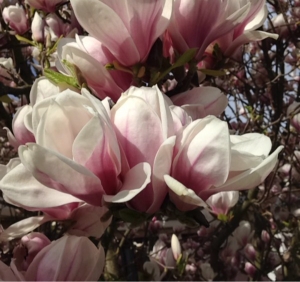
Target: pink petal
{"x":204,"y":157}
{"x":151,"y":198}
{"x":59,"y":127}
{"x":88,"y":221}
{"x":20,"y":188}
{"x":69,"y":258}
{"x":212,"y":99}
{"x":184,"y":198}
{"x":58,"y":172}
{"x":42,"y":88}
{"x":134,"y":119}
{"x":135,"y":181}
{"x":6,"y":273}
{"x":97,"y":149}
{"x":103,"y":23}
{"x":22,"y":227}
{"x":249,"y":178}
{"x":94,"y":72}
{"x":248,"y":36}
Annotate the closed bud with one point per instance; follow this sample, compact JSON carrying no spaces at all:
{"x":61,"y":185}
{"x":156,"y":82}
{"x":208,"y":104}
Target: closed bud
{"x":175,"y":246}
{"x":221,"y":202}
{"x":265,"y":236}
{"x":250,"y":269}
{"x":250,"y":252}
{"x":37,"y":28}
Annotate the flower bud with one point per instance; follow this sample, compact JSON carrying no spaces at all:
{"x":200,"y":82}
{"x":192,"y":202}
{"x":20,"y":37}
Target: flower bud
{"x":295,"y":118}
{"x":250,"y":252}
{"x":31,"y":245}
{"x":250,"y":269}
{"x":265,"y":236}
{"x":37,"y":28}
{"x":15,"y":16}
{"x":175,"y":246}
{"x":243,"y":233}
{"x":221,"y":202}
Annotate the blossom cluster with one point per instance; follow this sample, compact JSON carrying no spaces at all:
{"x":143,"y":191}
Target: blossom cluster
{"x":119,"y":127}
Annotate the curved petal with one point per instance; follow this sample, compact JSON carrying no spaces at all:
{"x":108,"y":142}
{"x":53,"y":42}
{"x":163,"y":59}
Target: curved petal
{"x":6,"y":273}
{"x":97,"y":149}
{"x":58,"y":172}
{"x":88,"y":221}
{"x":20,"y":188}
{"x":60,"y":125}
{"x":180,"y":118}
{"x":183,"y":197}
{"x":103,"y":23}
{"x":42,"y":88}
{"x":22,"y":134}
{"x":259,"y":19}
{"x":201,"y":101}
{"x":96,"y":75}
{"x":203,"y":159}
{"x":248,"y":36}
{"x":23,"y":227}
{"x":136,"y":179}
{"x":248,"y":150}
{"x":137,"y":125}
{"x":69,"y":258}
{"x":248,"y":179}
{"x":158,"y":102}
{"x":158,"y":189}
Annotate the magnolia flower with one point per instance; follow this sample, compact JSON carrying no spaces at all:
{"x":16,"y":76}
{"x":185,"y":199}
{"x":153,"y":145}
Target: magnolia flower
{"x":244,"y":32}
{"x":127,"y":28}
{"x":74,"y":137}
{"x":221,"y":202}
{"x":45,"y":5}
{"x":15,"y":16}
{"x":90,"y":57}
{"x":57,"y":26}
{"x":22,"y":121}
{"x":30,"y":245}
{"x":192,"y":27}
{"x":207,"y":160}
{"x":142,"y":117}
{"x":68,"y":259}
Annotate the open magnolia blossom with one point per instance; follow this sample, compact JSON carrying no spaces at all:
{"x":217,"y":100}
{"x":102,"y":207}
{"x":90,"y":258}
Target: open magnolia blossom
{"x":145,"y":129}
{"x":141,"y":111}
{"x":75,"y":157}
{"x":232,"y":16}
{"x":69,"y":258}
{"x":208,"y":160}
{"x":245,"y":31}
{"x":127,"y":28}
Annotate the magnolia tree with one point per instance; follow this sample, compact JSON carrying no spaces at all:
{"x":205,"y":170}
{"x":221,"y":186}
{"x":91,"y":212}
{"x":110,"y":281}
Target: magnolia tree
{"x":150,"y":140}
